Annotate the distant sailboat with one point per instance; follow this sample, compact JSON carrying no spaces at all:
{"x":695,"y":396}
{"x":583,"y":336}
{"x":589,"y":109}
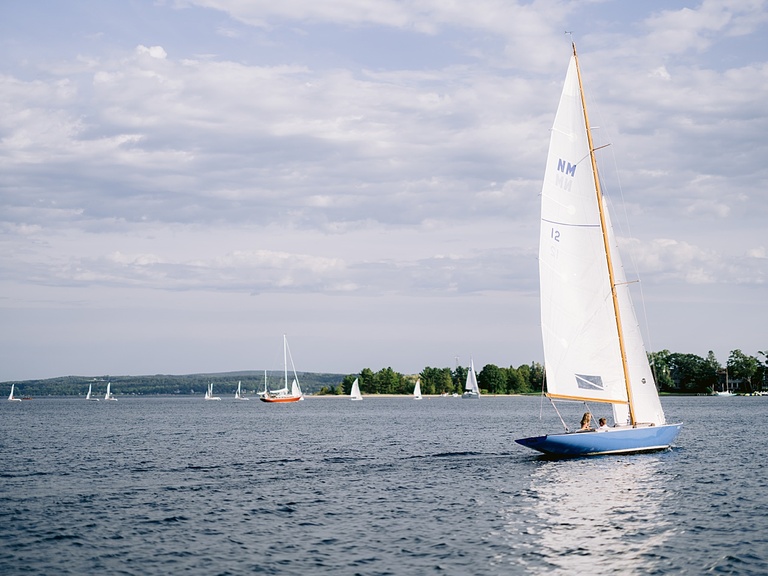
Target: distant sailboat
{"x":282,"y":395}
{"x":593,"y":347}
{"x":239,"y":395}
{"x":109,"y":395}
{"x":355,"y":394}
{"x":727,"y":390}
{"x":264,"y":392}
{"x":89,"y":397}
{"x":10,"y":396}
{"x":472,"y":391}
{"x":209,"y":393}
{"x":417,"y":390}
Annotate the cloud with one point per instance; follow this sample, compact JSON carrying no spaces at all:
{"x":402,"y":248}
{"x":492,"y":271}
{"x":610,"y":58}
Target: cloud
{"x":387,"y":152}
{"x":698,"y":28}
{"x":153,"y":51}
{"x":424,"y":16}
{"x":665,"y":260}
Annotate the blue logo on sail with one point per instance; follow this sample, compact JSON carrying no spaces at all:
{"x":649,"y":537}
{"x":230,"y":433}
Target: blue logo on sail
{"x":589,"y":382}
{"x":566,"y":167}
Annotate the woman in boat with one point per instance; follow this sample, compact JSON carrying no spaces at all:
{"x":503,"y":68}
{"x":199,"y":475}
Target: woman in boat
{"x":586,"y":420}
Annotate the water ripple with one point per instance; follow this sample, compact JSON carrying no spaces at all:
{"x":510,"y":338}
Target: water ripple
{"x":159,"y":486}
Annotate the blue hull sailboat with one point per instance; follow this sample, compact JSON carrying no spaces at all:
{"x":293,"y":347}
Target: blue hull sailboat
{"x":593,"y":347}
{"x":616,"y":440}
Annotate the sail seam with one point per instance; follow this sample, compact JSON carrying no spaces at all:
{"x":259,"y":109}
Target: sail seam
{"x":571,"y":225}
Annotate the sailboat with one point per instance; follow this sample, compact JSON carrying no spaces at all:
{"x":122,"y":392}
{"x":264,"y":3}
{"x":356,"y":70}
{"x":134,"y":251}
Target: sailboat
{"x":109,"y":395}
{"x":89,"y":397}
{"x":355,"y":393}
{"x":727,"y":390}
{"x":283,"y":395}
{"x":417,"y":390}
{"x":471,"y":390}
{"x":239,"y":395}
{"x":10,"y":396}
{"x":593,"y":347}
{"x":209,"y":393}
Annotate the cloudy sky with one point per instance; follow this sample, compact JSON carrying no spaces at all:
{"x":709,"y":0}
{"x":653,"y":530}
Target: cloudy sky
{"x":184,"y":181}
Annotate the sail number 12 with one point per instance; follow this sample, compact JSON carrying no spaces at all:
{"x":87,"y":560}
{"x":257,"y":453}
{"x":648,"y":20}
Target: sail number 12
{"x":555,"y":235}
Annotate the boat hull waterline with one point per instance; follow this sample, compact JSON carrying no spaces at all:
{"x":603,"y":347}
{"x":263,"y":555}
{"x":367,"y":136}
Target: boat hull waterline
{"x":281,"y":400}
{"x":612,"y":441}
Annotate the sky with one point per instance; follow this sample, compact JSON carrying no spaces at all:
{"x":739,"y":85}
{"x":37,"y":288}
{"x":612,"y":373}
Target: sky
{"x":182,"y":182}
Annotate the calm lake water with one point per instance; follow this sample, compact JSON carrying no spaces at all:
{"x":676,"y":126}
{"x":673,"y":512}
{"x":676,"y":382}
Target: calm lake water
{"x":384,"y":486}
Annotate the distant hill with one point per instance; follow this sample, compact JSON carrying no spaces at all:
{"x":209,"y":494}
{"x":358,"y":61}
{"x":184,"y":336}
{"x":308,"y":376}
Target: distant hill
{"x":189,"y":384}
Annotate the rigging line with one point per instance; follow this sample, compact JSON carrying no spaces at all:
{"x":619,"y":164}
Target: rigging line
{"x":559,"y":415}
{"x":625,"y":222}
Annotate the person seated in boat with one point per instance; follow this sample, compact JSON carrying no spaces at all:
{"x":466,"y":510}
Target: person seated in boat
{"x":586,"y":420}
{"x":603,"y":425}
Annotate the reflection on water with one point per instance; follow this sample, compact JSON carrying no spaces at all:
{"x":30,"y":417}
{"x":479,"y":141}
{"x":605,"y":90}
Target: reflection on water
{"x":597,"y":514}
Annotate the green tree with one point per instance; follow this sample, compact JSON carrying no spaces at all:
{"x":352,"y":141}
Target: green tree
{"x":388,"y":381}
{"x":492,"y":379}
{"x":436,"y":380}
{"x":536,"y":376}
{"x":368,"y":382}
{"x":660,"y":362}
{"x":743,"y":368}
{"x":689,"y":372}
{"x":711,"y":371}
{"x":519,"y":379}
{"x":345,"y":388}
{"x":459,"y":377}
{"x":760,"y":382}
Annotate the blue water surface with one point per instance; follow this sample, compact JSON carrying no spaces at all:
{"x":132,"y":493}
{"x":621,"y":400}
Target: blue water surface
{"x":162,"y":485}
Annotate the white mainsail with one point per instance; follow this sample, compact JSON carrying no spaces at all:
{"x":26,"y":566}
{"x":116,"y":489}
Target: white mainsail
{"x":89,"y":396}
{"x":209,"y":393}
{"x":583,"y":356}
{"x":10,"y":396}
{"x":471,"y":387}
{"x":417,"y":390}
{"x":238,"y":394}
{"x":109,"y":395}
{"x":355,"y":393}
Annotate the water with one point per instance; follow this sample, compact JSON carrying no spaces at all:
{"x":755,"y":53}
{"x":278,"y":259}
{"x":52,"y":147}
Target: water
{"x":384,"y":486}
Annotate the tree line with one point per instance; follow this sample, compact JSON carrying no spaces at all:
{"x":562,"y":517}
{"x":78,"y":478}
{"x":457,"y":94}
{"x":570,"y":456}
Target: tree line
{"x":674,"y":372}
{"x":225,"y":383}
{"x":491,"y":379}
{"x":692,"y":374}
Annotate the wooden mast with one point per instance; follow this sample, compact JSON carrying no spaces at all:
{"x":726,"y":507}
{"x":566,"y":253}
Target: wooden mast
{"x":606,"y":243}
